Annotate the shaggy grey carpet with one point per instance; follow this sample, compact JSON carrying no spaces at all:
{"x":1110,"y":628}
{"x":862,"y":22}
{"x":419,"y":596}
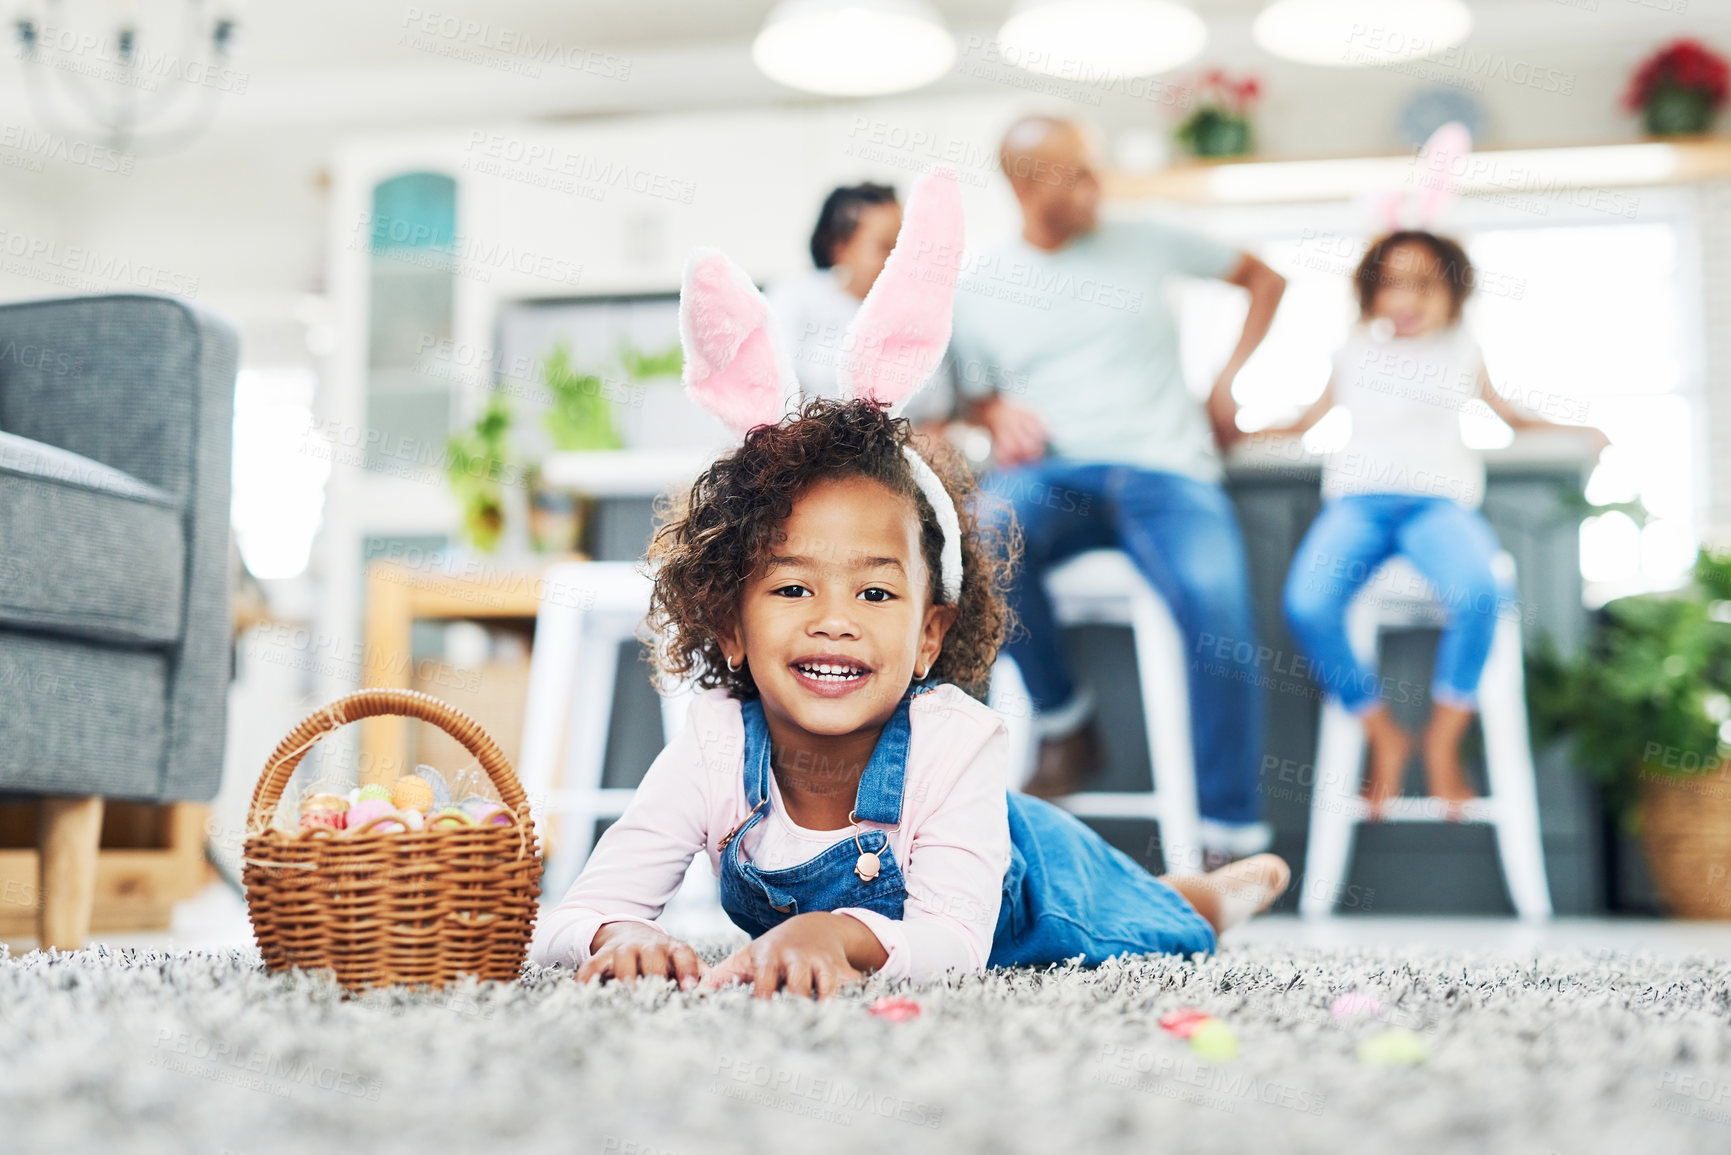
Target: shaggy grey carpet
{"x":203,"y":1053}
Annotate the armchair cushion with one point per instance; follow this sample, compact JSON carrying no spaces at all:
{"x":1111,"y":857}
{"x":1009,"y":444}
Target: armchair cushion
{"x":145,"y":386}
{"x":82,"y":717}
{"x":86,"y":550}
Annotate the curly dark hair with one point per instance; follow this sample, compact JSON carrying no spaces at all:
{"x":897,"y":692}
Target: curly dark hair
{"x":714,"y":538}
{"x":1372,"y":272}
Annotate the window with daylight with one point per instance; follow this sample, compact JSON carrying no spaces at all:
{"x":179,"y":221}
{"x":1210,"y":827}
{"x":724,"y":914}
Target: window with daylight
{"x":1581,"y":321}
{"x":281,"y":465}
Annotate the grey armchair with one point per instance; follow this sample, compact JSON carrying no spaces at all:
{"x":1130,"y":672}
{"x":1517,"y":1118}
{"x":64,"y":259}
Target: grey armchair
{"x":116,"y":417}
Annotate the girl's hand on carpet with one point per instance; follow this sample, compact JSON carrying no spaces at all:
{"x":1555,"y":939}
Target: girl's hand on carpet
{"x":626,"y":950}
{"x":805,"y":954}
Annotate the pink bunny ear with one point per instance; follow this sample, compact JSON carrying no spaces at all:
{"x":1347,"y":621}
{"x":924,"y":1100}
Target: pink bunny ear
{"x":1445,"y":146}
{"x":734,"y":364}
{"x":900,"y":333}
{"x":1382,"y":208}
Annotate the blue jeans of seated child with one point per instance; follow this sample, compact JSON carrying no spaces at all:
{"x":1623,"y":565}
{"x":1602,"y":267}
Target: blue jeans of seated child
{"x":1183,"y":536}
{"x":1353,"y":535}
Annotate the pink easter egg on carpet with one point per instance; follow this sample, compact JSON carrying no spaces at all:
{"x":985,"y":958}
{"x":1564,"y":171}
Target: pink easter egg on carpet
{"x":1183,"y":1023}
{"x":895,"y":1009}
{"x":1354,"y":1004}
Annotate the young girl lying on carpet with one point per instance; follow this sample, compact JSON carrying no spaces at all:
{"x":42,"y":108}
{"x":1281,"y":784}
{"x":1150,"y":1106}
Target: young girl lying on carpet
{"x":830,"y":591}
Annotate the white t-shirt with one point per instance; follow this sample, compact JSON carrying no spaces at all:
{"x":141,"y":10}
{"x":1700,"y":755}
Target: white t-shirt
{"x":1085,"y":337}
{"x":813,"y":312}
{"x":1405,"y":396}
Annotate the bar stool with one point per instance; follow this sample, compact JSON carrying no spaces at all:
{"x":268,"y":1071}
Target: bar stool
{"x":1398,"y":597}
{"x":1103,"y":586}
{"x":587,"y":609}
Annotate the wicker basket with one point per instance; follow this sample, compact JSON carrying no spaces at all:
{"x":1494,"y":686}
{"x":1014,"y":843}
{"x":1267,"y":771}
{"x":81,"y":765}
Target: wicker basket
{"x":1686,"y":833}
{"x":414,"y":907}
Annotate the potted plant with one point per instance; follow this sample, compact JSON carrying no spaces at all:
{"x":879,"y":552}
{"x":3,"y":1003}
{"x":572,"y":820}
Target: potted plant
{"x":1219,"y":124}
{"x":581,"y":413}
{"x":1678,"y":90}
{"x":479,"y":468}
{"x":580,"y":418}
{"x":1648,"y":704}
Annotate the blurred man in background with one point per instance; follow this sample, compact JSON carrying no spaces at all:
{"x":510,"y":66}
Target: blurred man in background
{"x":1066,"y":350}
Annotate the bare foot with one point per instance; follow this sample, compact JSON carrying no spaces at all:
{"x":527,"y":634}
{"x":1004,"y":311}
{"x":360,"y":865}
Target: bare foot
{"x":1390,"y":746}
{"x":1444,"y":776}
{"x":1232,"y":894}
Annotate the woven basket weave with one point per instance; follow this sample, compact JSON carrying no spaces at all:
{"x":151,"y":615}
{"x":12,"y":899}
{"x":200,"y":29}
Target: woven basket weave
{"x":414,"y":907}
{"x":1686,"y":833}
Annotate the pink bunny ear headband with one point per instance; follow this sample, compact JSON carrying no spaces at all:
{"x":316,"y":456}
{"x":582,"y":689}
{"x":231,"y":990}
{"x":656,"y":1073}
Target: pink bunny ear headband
{"x":735,"y":366}
{"x":1422,"y":206}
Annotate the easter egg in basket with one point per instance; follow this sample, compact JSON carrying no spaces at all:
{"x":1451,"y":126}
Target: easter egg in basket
{"x":368,"y":809}
{"x":412,"y":792}
{"x":327,"y":810}
{"x":485,"y":812}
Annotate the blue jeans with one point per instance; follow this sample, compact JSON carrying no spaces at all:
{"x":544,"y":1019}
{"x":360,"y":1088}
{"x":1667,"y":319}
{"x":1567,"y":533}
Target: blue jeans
{"x":1183,"y":536}
{"x":1447,"y":543}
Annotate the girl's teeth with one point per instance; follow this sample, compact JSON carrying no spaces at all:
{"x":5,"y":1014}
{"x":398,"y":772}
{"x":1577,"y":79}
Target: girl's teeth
{"x":834,"y":673}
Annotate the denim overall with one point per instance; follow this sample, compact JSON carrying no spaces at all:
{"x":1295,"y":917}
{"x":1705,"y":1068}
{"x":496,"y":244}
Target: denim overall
{"x":1067,"y":892}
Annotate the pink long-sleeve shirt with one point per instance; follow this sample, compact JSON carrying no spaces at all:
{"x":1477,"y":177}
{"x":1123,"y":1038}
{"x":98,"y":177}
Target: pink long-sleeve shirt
{"x":952,"y":845}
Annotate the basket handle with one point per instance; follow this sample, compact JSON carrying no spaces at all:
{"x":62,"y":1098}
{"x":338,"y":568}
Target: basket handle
{"x":369,"y":704}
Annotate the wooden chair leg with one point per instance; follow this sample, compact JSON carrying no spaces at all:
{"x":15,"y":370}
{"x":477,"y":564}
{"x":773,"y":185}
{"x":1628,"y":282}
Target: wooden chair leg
{"x":70,"y":830}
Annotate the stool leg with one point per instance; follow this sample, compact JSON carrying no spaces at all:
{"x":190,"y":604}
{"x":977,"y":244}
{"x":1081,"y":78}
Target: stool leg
{"x":1334,"y":810}
{"x":1163,"y":672}
{"x":1513,"y":779}
{"x":590,"y":711}
{"x":1335,"y":807}
{"x":552,"y":684}
{"x":1009,"y":697}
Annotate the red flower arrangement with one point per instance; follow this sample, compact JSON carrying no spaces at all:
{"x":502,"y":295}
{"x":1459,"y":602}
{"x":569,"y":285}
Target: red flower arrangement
{"x":1679,"y":88}
{"x":1220,"y":122}
{"x":1218,"y":89}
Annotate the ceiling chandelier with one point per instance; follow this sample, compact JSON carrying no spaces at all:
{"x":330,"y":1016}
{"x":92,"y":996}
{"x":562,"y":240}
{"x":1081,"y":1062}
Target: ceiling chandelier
{"x":118,"y":84}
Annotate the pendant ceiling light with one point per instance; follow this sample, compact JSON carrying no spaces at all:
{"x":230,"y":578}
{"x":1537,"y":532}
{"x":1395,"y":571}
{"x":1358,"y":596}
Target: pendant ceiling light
{"x":854,"y":47}
{"x":1091,"y":40}
{"x":1361,"y":33}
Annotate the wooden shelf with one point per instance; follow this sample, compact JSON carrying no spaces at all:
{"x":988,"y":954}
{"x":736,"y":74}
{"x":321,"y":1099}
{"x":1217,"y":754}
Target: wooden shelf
{"x":1493,"y":172}
{"x":136,"y":885}
{"x":399,"y":595}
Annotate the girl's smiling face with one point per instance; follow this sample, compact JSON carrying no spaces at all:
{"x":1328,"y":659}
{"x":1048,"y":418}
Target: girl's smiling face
{"x":1413,"y":292}
{"x":839,"y":618}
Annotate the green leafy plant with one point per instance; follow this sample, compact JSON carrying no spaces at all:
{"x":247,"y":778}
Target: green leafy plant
{"x":581,"y":415}
{"x":479,"y":467}
{"x":1650,"y":694}
{"x":647,"y":366}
